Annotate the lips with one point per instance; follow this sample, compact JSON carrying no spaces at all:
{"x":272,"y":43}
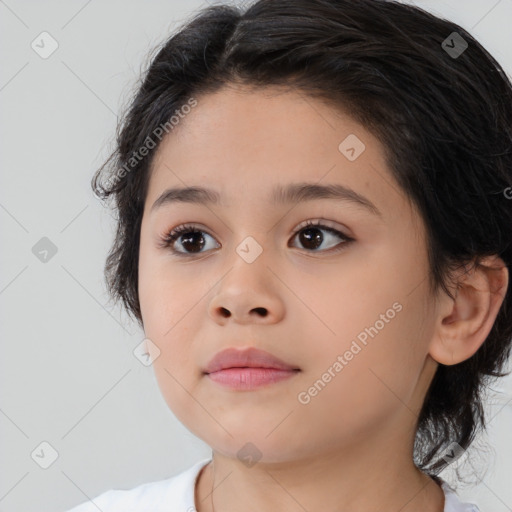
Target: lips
{"x":246,"y":358}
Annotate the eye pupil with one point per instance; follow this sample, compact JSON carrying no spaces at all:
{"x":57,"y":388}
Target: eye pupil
{"x":189,"y":238}
{"x":308,"y":237}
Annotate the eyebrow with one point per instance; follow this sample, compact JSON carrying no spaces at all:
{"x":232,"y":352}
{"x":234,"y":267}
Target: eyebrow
{"x":294,"y":193}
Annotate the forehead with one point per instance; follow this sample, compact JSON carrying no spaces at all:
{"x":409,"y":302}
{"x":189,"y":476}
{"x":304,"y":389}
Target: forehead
{"x":246,"y":142}
{"x":272,"y":115}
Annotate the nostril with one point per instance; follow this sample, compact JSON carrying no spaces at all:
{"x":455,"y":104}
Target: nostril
{"x":225,"y":313}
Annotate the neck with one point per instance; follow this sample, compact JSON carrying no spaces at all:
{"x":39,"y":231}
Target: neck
{"x":330,"y":483}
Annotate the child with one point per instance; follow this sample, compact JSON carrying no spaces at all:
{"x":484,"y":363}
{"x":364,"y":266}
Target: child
{"x":334,"y":372}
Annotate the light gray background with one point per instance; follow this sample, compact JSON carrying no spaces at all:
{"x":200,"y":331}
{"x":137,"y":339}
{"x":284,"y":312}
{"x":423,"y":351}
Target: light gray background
{"x":68,"y":374}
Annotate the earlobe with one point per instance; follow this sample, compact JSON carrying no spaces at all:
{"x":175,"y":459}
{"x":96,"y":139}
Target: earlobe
{"x":463,"y":324}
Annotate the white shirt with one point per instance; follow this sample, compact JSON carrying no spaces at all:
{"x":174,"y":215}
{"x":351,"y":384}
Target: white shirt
{"x":176,"y":494}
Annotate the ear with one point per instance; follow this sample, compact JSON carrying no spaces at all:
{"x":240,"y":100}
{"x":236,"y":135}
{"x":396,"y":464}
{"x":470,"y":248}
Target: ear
{"x":463,"y":324}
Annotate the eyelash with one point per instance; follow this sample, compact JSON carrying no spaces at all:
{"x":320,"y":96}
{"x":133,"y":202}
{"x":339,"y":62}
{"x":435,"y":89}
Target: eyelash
{"x":170,"y":237}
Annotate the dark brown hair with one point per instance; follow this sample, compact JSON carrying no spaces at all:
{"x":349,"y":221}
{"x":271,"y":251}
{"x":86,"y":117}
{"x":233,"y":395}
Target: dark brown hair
{"x":445,"y":121}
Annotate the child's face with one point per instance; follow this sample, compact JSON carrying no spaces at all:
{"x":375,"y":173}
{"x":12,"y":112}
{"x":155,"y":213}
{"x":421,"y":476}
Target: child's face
{"x":317,"y":301}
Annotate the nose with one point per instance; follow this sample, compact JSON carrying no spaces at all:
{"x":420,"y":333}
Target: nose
{"x":248,"y":293}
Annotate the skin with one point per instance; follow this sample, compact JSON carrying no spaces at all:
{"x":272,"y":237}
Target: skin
{"x":351,"y":446}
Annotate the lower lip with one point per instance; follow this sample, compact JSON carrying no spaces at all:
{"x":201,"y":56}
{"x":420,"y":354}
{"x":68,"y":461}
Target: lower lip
{"x":250,"y":378}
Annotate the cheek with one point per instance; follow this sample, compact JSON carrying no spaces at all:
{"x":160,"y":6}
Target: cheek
{"x":164,"y":296}
{"x":168,"y":305}
{"x":376,"y":381}
{"x":377,"y":331}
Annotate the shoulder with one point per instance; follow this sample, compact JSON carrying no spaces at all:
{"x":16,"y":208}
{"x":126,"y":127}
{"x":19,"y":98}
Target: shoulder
{"x":453,"y":502}
{"x":174,"y":494}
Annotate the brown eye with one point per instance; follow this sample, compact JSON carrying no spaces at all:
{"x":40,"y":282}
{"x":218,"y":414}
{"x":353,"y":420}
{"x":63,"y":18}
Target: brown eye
{"x":311,"y":237}
{"x":190,"y":238}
